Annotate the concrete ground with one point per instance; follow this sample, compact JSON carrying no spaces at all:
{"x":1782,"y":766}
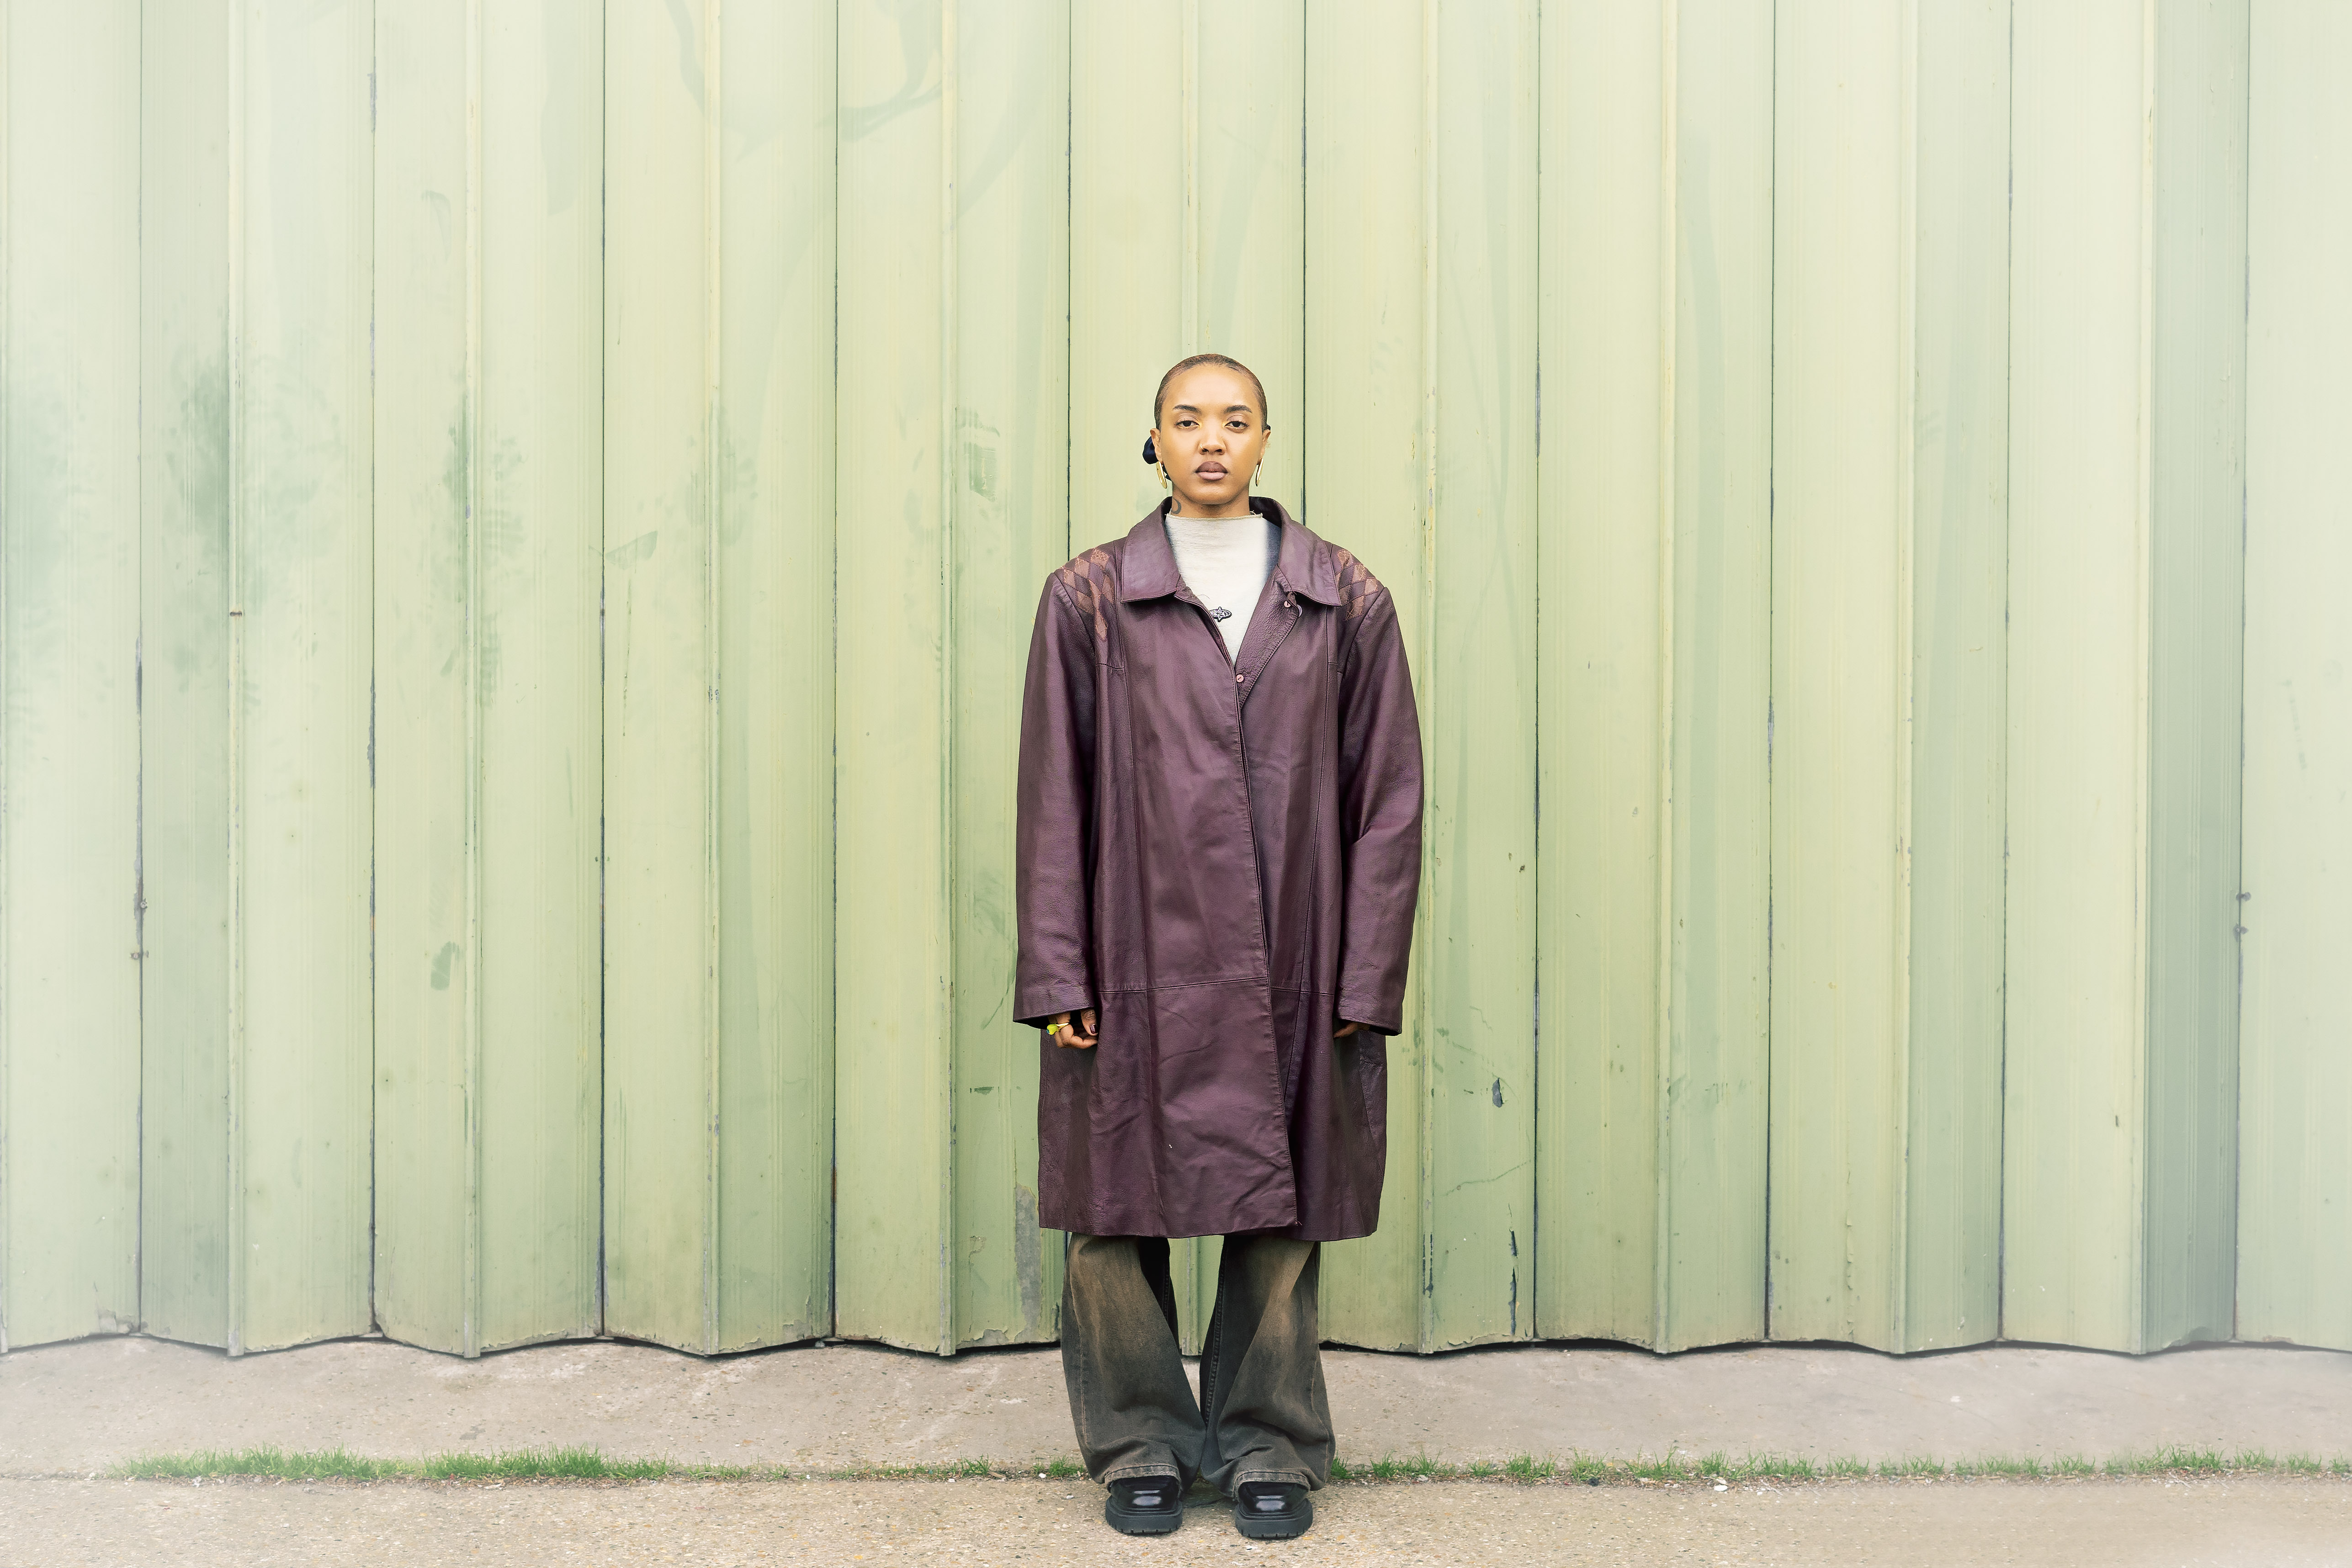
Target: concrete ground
{"x":74,"y":1409}
{"x":68,"y":1411}
{"x":2271,"y":1521}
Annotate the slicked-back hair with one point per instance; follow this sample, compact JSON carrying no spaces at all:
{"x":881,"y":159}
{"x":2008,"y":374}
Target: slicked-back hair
{"x":1159,"y":398}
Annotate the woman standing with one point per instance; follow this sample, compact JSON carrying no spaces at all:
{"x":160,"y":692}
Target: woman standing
{"x":1219,"y":850}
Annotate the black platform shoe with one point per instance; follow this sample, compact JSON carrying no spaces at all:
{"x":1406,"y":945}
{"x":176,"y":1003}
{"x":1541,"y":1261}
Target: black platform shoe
{"x":1144,"y":1505}
{"x":1273,"y":1511}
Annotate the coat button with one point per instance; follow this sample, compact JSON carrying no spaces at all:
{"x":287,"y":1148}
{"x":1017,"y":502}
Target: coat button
{"x":1239,"y":677}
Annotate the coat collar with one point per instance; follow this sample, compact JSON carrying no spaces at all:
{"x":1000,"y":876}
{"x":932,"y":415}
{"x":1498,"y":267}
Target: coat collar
{"x":1304,"y":565}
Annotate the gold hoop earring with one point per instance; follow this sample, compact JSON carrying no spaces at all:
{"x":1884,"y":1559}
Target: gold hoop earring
{"x":1164,"y":480}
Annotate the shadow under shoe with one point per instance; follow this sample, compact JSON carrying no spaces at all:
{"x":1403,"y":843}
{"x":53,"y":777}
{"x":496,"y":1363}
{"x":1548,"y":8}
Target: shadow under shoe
{"x":1273,"y":1511}
{"x":1144,"y":1505}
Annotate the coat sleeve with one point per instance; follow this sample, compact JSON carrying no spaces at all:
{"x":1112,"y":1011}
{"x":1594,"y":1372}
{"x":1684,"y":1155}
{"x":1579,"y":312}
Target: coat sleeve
{"x":1054,"y":833}
{"x":1379,"y":820}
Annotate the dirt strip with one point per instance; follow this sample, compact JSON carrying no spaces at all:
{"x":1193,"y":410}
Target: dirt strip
{"x":2277,"y":1522}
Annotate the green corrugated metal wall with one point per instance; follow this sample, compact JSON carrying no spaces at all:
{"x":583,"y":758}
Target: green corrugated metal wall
{"x":520,"y":520}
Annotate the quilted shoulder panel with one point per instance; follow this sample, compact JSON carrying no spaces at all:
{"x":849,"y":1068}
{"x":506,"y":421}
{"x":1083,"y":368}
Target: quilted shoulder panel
{"x":1092,"y":585}
{"x":1357,"y":586}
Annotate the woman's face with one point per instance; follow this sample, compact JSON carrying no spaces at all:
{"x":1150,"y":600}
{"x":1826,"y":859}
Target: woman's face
{"x":1210,"y":437}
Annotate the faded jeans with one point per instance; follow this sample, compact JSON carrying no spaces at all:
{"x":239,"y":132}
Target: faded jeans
{"x":1268,"y":1417}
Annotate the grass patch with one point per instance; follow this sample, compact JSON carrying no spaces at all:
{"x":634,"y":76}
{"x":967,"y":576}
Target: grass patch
{"x":269,"y":1462}
{"x":542,"y":1464}
{"x":273,"y":1463}
{"x":327,"y":1464}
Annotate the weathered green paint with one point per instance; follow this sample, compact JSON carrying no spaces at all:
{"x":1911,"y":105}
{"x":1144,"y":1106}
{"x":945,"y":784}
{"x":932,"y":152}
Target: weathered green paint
{"x":468,"y":459}
{"x":1476,"y":675}
{"x":717,"y":588}
{"x":487,"y":740}
{"x":2294,"y":1198}
{"x":1842,"y":575}
{"x":70,"y":983}
{"x":899,"y":780}
{"x":1367,"y":437}
{"x":1886,"y":674}
{"x":2128,"y":437}
{"x":256,"y":557}
{"x":1007,"y":494}
{"x":2196,"y":640}
{"x":1655,"y":616}
{"x":1958,"y":452}
{"x":188,"y":395}
{"x":2076,"y":1089}
{"x":775,"y":609}
{"x":300,"y":673}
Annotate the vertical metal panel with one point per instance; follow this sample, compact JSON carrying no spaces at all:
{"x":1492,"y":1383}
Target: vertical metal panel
{"x":1128,"y":252}
{"x":2196,"y":641}
{"x":68,"y":670}
{"x":188,"y":391}
{"x":900,"y":111}
{"x":773,"y":470}
{"x":2295,"y":1206}
{"x":256,"y":572}
{"x":1007,"y":524}
{"x":1887,"y":695}
{"x":1842,"y":419}
{"x":717,"y":562}
{"x":1715,"y":918}
{"x":427,"y":1023}
{"x":1656,"y":343}
{"x":1960,"y":524}
{"x":1606,"y":344}
{"x":1477,"y":679}
{"x":487,"y":744}
{"x":2076,"y":935}
{"x":661,"y":1023}
{"x":1367,"y":444}
{"x":299,"y":659}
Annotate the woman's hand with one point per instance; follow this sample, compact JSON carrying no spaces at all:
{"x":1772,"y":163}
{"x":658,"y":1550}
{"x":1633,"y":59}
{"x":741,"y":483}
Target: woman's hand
{"x":1345,"y":1029}
{"x":1059,"y":1030}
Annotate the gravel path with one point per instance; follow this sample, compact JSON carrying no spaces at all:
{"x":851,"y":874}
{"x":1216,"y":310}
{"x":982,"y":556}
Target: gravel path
{"x":2277,"y":1522}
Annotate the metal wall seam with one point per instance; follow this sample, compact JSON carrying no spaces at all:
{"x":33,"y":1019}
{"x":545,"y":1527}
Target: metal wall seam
{"x":2143,"y":590}
{"x":1669,"y":310}
{"x":236,"y":525}
{"x":1426,"y":657}
{"x":475,"y":969}
{"x":8,"y":663}
{"x":950,"y":264}
{"x":1907,"y":468}
{"x":713,"y":325}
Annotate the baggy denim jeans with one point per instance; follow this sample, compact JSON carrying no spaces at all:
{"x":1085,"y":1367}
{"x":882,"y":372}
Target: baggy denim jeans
{"x":1267,"y":1416}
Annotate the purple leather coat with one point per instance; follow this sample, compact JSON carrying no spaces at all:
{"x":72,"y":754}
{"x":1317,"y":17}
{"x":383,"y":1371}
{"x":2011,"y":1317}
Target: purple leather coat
{"x":1221,"y":856}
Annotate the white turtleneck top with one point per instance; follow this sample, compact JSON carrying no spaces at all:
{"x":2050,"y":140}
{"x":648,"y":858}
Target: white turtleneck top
{"x":1225,"y":562}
